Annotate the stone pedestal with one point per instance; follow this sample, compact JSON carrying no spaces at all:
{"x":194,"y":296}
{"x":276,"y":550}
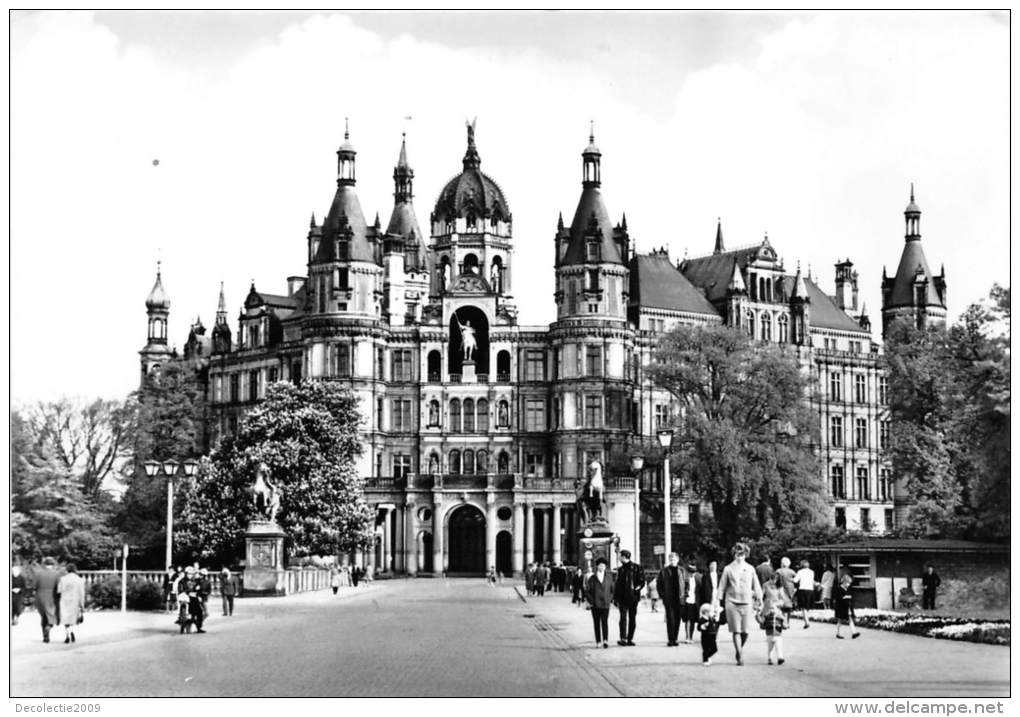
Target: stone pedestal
{"x":264,"y":570}
{"x":467,"y":372}
{"x":595,"y":540}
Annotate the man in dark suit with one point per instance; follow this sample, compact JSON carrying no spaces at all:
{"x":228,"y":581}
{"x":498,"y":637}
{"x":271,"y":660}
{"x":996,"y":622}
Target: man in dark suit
{"x":630,"y":578}
{"x":672,"y":586}
{"x":46,"y":579}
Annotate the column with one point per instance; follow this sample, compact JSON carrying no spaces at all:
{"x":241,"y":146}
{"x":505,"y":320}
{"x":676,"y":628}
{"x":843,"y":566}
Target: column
{"x":437,"y":535}
{"x":529,"y":534}
{"x":398,"y":539}
{"x":556,"y":537}
{"x":547,"y":535}
{"x":637,"y":519}
{"x":519,"y":530}
{"x":490,"y":531}
{"x":387,"y":543}
{"x":410,"y":541}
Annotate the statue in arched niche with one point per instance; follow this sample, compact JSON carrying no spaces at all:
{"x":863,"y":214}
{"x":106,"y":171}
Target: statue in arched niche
{"x":496,"y":278}
{"x":467,"y":337}
{"x":434,"y":413}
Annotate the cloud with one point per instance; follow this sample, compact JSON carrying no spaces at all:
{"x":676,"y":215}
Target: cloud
{"x":813,"y":138}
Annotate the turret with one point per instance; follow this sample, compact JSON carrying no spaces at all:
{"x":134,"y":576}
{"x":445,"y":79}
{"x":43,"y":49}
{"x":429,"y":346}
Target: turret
{"x":800,"y":311}
{"x":221,"y":329}
{"x":157,"y":308}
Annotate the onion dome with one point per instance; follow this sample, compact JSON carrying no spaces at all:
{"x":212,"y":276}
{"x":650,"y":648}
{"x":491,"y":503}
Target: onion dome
{"x":471,"y":192}
{"x":157,"y":297}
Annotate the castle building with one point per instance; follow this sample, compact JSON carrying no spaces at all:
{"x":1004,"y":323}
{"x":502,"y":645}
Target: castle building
{"x":476,"y":427}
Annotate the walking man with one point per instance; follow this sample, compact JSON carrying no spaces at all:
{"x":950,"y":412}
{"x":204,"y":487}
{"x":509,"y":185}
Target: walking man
{"x":630,"y":578}
{"x":671,"y":584}
{"x":228,"y":589}
{"x":46,"y":579}
{"x":764,"y":571}
{"x":930,"y":583}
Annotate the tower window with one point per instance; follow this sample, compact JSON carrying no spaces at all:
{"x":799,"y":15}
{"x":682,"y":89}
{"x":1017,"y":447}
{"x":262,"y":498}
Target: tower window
{"x":593,"y":411}
{"x":594,"y":251}
{"x":593,"y":280}
{"x":593,"y":360}
{"x":343,"y":278}
{"x":401,"y":418}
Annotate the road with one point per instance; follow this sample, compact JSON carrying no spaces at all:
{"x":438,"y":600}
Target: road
{"x":462,"y":638}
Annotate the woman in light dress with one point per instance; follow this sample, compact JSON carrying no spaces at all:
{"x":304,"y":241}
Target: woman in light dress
{"x":71,"y":590}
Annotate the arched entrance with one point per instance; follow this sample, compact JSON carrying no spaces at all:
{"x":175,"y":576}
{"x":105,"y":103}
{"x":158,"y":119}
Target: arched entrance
{"x":504,"y":552}
{"x":425,"y":552}
{"x":467,"y":540}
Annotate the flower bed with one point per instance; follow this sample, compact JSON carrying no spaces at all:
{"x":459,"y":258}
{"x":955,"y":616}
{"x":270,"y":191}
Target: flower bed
{"x":989,"y":632}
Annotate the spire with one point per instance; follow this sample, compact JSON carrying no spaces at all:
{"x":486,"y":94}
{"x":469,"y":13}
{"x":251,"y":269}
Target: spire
{"x":157,"y":297}
{"x":736,"y":284}
{"x":559,"y":223}
{"x":719,"y":246}
{"x":471,"y":158}
{"x":311,"y":224}
{"x":624,"y":222}
{"x":376,"y":223}
{"x":799,"y":287}
{"x":402,"y":174}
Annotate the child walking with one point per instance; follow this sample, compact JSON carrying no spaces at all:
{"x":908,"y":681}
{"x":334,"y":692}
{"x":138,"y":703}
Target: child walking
{"x":773,"y":622}
{"x":708,"y":626}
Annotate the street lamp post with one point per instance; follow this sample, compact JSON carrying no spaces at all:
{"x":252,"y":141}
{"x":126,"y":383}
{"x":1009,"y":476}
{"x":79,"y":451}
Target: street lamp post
{"x":665,"y":440}
{"x":637,"y":462}
{"x":170,"y":469}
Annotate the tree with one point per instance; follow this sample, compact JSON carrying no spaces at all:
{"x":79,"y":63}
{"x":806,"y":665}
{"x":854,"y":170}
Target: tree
{"x":90,"y":440}
{"x":307,"y":436}
{"x":168,"y":425}
{"x":748,"y":432}
{"x":50,"y":514}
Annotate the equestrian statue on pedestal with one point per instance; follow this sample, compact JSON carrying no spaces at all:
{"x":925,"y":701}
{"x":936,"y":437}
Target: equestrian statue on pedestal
{"x":590,"y":494}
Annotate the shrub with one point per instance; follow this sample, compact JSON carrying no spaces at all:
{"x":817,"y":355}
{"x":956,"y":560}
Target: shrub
{"x":141,"y":594}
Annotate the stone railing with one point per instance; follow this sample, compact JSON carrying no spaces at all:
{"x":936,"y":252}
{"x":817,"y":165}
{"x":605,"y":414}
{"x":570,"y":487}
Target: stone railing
{"x":153,"y":576}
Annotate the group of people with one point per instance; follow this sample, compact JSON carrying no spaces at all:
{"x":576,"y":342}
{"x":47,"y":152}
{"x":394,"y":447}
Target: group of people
{"x":539,"y":577}
{"x":345,"y":576}
{"x":59,"y":597}
{"x":192,"y":586}
{"x":740,"y":596}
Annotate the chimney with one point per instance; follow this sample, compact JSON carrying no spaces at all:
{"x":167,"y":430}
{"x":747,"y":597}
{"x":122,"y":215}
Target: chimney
{"x":294,"y":284}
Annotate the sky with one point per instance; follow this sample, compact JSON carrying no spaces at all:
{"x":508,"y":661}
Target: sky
{"x":809,"y":127}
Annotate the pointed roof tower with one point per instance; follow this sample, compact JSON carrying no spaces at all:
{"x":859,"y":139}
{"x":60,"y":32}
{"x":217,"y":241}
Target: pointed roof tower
{"x":736,"y":284}
{"x":799,"y":292}
{"x":345,"y":220}
{"x":591,"y":219}
{"x":720,"y":247}
{"x":403,"y":221}
{"x":913,"y":268}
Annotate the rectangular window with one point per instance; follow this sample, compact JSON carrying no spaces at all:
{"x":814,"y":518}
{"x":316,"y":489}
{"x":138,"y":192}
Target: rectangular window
{"x":534,"y":415}
{"x":863,"y":484}
{"x":253,"y":336}
{"x":661,"y":415}
{"x":883,"y":390}
{"x":593,"y":280}
{"x":571,"y":296}
{"x":253,"y":385}
{"x":593,"y":252}
{"x":341,"y":360}
{"x":835,"y":386}
{"x":274,"y":375}
{"x":380,"y":363}
{"x":860,"y":388}
{"x":593,"y":308}
{"x":235,"y":388}
{"x":343,"y":279}
{"x":593,"y":360}
{"x":534,"y":365}
{"x":889,"y":519}
{"x":841,"y":518}
{"x":866,"y":519}
{"x":401,"y":365}
{"x":593,"y":411}
{"x":884,"y":485}
{"x":884,"y":428}
{"x":836,"y":431}
{"x":379,"y":414}
{"x":322,"y":293}
{"x":534,"y":465}
{"x":400,"y":418}
{"x":555,"y":413}
{"x":838,"y":483}
{"x":401,"y":466}
{"x":861,"y":433}
{"x":295,"y":372}
{"x":579,"y":364}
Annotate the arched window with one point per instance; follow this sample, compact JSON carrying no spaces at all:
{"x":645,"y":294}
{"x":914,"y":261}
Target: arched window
{"x":496,"y":274}
{"x":503,"y":417}
{"x":503,"y":462}
{"x":469,"y":415}
{"x":470,"y":264}
{"x":766,"y":326}
{"x":435,"y":366}
{"x":784,"y":329}
{"x":455,"y":415}
{"x":433,"y":463}
{"x":750,"y":324}
{"x":482,"y":462}
{"x":434,"y":413}
{"x":443,"y":274}
{"x":469,"y":462}
{"x":455,"y":461}
{"x":503,"y":366}
{"x":482,"y":409}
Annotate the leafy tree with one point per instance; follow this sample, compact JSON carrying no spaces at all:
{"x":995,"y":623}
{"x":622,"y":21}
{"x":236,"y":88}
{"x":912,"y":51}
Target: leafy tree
{"x":307,"y":436}
{"x":50,"y":514}
{"x":746,"y":442}
{"x":168,"y":426}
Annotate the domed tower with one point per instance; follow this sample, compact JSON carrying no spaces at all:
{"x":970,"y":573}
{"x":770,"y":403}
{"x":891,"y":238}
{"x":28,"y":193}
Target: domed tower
{"x":472,"y":231}
{"x":591,"y":342}
{"x":405,"y":256}
{"x":157,"y":306}
{"x":914,"y":292}
{"x":344,"y":268}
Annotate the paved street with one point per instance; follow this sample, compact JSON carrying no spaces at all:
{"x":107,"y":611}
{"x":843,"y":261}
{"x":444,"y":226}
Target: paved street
{"x":460,"y":637}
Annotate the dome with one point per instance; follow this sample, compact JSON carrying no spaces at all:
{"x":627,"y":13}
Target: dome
{"x":472,"y":191}
{"x":157,"y":297}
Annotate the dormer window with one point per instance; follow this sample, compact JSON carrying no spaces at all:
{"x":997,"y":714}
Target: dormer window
{"x":253,"y":336}
{"x":343,"y":250}
{"x":594,"y":251}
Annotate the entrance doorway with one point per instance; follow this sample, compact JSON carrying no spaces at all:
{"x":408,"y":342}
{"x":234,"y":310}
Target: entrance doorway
{"x":425,"y":553}
{"x":504,"y":552}
{"x":467,"y":540}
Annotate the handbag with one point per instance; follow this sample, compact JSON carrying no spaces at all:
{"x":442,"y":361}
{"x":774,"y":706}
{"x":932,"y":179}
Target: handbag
{"x":81,"y":618}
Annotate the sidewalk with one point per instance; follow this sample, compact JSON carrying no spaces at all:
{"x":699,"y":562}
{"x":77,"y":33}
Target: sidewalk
{"x":105,"y":626}
{"x":878,"y":664}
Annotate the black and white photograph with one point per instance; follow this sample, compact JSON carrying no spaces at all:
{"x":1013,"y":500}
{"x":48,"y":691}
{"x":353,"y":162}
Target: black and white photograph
{"x":517,"y":354}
